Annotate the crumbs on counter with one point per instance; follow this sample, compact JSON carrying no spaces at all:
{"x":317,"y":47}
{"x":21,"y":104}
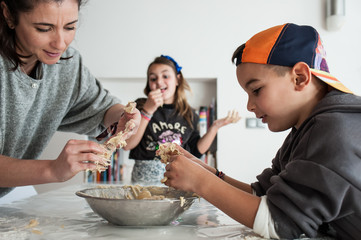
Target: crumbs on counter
{"x":32,"y":224}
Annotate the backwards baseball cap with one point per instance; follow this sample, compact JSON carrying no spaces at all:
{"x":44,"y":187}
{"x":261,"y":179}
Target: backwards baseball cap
{"x":286,"y":45}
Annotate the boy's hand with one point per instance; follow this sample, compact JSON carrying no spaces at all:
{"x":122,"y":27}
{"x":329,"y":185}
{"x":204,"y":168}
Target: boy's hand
{"x":185,"y":171}
{"x":184,"y":174}
{"x":195,"y":159}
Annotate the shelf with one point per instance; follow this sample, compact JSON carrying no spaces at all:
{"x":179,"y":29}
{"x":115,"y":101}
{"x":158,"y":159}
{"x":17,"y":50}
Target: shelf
{"x":142,"y":79}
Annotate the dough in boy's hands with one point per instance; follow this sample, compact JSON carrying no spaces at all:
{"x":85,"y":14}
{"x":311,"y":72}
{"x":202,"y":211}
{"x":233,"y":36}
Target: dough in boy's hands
{"x":165,"y":151}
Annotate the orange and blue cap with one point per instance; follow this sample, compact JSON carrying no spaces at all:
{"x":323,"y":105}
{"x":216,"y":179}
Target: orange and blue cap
{"x":286,"y":45}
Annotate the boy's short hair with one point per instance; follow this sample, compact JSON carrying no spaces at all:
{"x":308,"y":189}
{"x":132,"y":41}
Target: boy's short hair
{"x":286,"y":45}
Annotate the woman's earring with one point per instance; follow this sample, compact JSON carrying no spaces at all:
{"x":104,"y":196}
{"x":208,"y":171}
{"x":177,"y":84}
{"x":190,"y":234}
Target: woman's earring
{"x":10,"y":24}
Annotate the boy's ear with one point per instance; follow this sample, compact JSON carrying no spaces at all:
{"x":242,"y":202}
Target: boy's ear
{"x":302,"y":75}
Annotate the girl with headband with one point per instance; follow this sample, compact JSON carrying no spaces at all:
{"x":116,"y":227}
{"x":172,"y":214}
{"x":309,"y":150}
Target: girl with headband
{"x":166,"y":117}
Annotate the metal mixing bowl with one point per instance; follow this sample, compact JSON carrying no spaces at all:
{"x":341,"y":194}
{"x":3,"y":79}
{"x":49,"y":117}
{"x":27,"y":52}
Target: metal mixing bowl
{"x":111,"y":204}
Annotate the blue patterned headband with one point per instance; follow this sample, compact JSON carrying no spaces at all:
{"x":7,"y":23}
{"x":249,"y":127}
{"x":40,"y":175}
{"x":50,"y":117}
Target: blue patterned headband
{"x":177,"y":67}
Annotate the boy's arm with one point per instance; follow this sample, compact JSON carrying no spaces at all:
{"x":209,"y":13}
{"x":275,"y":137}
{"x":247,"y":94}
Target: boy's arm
{"x":182,"y":173}
{"x":263,"y":223}
{"x":241,"y":205}
{"x":238,"y":204}
{"x":240,"y":185}
{"x":233,"y":197}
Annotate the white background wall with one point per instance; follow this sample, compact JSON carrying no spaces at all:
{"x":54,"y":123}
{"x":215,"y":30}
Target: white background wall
{"x":119,"y":38}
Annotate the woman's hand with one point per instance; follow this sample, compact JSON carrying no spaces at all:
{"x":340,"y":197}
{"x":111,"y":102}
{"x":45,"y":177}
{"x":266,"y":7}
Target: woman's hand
{"x":154,"y":100}
{"x":117,"y":114}
{"x":76,"y":156}
{"x":134,"y":118}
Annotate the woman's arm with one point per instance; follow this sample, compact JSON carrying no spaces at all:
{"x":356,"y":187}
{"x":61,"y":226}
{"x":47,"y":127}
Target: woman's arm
{"x":18,"y":172}
{"x":117,"y":114}
{"x":77,"y":155}
{"x":113,"y":114}
{"x":135,"y":139}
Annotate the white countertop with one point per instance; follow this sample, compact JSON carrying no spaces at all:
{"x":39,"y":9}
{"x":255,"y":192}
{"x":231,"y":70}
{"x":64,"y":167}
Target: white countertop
{"x":63,"y":215}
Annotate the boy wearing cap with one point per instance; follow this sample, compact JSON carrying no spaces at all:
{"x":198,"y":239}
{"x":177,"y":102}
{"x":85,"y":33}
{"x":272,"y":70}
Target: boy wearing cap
{"x":314,"y":184}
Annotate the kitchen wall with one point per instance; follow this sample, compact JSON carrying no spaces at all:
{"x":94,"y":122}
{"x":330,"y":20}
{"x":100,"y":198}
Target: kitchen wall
{"x":119,"y":38}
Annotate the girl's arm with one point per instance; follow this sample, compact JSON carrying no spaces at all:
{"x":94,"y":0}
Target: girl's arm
{"x":205,"y":142}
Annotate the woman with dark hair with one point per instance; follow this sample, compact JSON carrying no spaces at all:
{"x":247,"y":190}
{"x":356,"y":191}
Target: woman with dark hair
{"x":44,"y":88}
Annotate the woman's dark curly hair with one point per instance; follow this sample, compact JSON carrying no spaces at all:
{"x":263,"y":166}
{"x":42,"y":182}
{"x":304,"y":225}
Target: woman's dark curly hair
{"x":7,"y":34}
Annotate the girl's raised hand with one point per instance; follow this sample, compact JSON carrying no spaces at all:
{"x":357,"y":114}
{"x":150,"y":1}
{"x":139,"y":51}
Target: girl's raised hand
{"x":232,"y":117}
